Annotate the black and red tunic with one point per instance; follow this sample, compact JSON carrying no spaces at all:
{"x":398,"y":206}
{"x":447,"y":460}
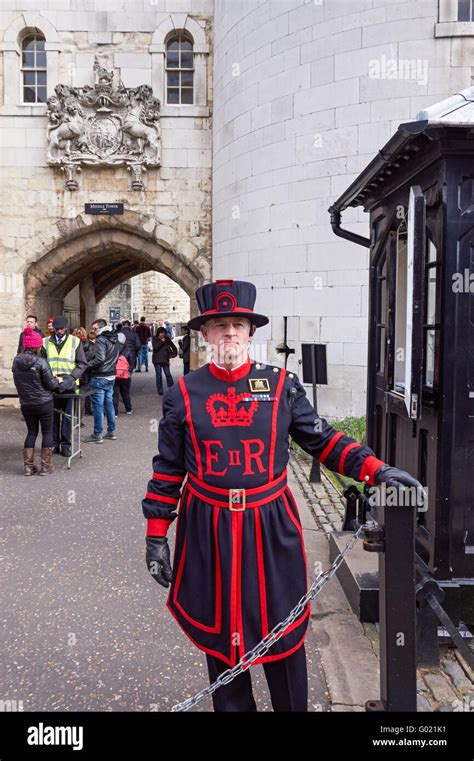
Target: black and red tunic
{"x":238,"y":572}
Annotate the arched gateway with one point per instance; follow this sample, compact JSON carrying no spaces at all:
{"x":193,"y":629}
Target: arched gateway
{"x":98,"y":255}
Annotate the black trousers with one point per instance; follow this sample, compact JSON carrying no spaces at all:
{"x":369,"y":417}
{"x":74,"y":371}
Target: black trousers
{"x":40,"y":414}
{"x":287,"y":681}
{"x":123,"y":385}
{"x":62,"y":436}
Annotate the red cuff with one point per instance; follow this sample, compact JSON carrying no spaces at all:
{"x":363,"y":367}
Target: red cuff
{"x":157,"y":526}
{"x":370,"y":465}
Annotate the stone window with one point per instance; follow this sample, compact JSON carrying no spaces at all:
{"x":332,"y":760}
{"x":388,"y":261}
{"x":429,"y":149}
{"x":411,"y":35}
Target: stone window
{"x":179,"y":70}
{"x":465,"y":10}
{"x":33,"y":68}
{"x":456,"y":18}
{"x":30,"y":50}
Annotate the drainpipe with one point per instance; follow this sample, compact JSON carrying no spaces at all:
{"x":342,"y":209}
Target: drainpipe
{"x":346,"y":234}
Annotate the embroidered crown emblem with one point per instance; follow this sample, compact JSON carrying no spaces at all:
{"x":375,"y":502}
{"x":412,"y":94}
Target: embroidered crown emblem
{"x":230,"y":410}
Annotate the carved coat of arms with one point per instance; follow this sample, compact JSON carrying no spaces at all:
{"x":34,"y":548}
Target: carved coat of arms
{"x":103,"y":125}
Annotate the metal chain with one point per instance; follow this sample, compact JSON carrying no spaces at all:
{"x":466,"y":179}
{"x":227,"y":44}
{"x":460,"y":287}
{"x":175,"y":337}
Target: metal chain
{"x":266,"y":643}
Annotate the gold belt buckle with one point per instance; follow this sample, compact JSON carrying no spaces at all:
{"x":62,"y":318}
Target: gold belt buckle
{"x":237,"y":496}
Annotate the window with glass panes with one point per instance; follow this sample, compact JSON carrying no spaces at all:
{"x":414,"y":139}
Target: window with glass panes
{"x":401,"y":309}
{"x":465,"y":10}
{"x":33,"y":66}
{"x":179,"y":71}
{"x":382,"y":311}
{"x":431,"y":324}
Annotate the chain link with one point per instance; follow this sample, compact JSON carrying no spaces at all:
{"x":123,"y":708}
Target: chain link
{"x":266,"y":643}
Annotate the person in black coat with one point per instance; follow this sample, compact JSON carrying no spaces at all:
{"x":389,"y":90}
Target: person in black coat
{"x":31,"y":322}
{"x":144,"y":334}
{"x":123,"y":378}
{"x":184,"y":344}
{"x":132,"y":343}
{"x":35,"y":384}
{"x":102,"y":366}
{"x":89,"y":349}
{"x":163,"y":350}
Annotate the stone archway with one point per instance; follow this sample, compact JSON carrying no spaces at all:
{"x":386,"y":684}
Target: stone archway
{"x":99,"y":254}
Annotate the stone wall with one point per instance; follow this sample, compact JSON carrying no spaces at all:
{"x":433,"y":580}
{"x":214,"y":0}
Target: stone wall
{"x":157,"y":298}
{"x":117,"y":297}
{"x":304,"y":99}
{"x":49,"y":244}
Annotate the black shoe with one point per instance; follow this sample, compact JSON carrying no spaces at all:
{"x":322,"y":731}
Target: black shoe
{"x":66,"y":451}
{"x":56,"y":450}
{"x":146,"y":369}
{"x":160,"y":393}
{"x":138,"y":371}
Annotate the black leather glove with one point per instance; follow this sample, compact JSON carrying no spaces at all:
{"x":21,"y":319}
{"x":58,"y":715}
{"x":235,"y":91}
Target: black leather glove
{"x":158,"y":559}
{"x":394,"y":477}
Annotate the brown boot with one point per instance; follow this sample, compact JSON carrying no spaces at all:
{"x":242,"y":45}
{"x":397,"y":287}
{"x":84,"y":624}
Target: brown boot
{"x":46,"y":464}
{"x":29,"y":468}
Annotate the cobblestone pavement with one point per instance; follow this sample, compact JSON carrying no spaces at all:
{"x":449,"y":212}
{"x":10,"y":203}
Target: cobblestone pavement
{"x":324,"y":500}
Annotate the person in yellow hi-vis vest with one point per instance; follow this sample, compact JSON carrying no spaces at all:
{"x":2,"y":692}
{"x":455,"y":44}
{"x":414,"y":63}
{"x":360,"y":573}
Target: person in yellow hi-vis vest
{"x":66,"y":357}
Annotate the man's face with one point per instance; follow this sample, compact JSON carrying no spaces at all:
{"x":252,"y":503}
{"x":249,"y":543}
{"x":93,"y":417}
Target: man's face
{"x":60,"y":331}
{"x":31,"y":322}
{"x":161,"y":336}
{"x":228,"y":338}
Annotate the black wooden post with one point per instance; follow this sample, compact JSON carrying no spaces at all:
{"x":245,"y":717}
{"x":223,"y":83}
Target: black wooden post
{"x":397,"y":610}
{"x":315,"y":474}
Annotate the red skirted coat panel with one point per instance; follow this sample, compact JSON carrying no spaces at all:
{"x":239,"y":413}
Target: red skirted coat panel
{"x":238,"y":572}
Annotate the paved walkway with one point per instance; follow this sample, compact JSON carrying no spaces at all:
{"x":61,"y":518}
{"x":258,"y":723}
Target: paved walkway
{"x":87,"y":627}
